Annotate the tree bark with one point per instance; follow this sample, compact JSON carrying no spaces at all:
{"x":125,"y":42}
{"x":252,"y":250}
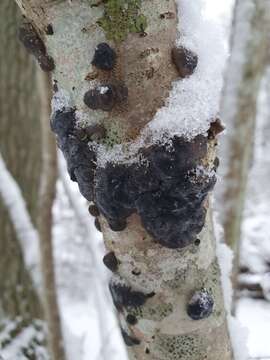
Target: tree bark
{"x":45,"y":220}
{"x":156,"y":278}
{"x":21,"y":150}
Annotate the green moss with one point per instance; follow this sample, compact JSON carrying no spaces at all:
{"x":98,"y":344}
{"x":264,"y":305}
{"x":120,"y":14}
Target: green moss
{"x":122,"y":17}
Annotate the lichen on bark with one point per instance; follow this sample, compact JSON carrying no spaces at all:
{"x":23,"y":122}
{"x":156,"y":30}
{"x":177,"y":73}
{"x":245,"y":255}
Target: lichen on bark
{"x":122,"y":17}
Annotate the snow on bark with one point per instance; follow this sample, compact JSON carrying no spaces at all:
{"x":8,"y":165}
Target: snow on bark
{"x":25,"y":230}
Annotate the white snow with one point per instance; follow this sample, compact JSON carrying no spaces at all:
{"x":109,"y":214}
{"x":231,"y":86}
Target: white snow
{"x":27,"y":234}
{"x":238,"y":332}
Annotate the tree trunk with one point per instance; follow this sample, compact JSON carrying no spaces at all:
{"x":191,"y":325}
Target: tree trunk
{"x":154,"y":213}
{"x":21,"y":150}
{"x":250,"y":35}
{"x":239,"y":106}
{"x":45,"y":221}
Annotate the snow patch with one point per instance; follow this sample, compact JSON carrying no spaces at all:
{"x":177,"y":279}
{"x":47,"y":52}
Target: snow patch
{"x":238,"y":333}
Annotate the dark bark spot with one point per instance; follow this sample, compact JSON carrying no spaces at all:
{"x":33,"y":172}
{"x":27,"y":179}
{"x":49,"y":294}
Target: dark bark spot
{"x":185,"y":61}
{"x":123,"y":296}
{"x":216,"y":128}
{"x":216,"y":163}
{"x":49,"y":30}
{"x":46,"y":63}
{"x":131,"y":319}
{"x":106,"y":96}
{"x":200,"y":306}
{"x":167,"y":15}
{"x":129,"y":340}
{"x":105,"y":57}
{"x":111,"y":262}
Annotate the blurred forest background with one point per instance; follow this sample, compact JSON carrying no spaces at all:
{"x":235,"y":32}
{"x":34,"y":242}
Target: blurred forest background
{"x":72,"y":249}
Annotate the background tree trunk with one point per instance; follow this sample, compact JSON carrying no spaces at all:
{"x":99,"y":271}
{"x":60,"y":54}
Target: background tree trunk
{"x":21,"y":150}
{"x":153,"y":284}
{"x":250,"y":35}
{"x":45,"y":220}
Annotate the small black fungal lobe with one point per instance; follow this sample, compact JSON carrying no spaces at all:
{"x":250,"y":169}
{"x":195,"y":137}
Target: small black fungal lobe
{"x":110,"y":261}
{"x":81,"y":159}
{"x":185,"y":61}
{"x":200,"y":306}
{"x":49,"y":30}
{"x":97,"y":224}
{"x":104,"y":57}
{"x":131,"y":319}
{"x":106,"y":96}
{"x":93,"y":210}
{"x":123,"y":296}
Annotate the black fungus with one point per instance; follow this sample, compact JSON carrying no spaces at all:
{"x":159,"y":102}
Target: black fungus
{"x":131,"y":319}
{"x":118,"y":225}
{"x":200,"y":305}
{"x":97,"y":224}
{"x":93,"y":210}
{"x":105,"y":57}
{"x":185,"y":61}
{"x":168,"y":191}
{"x":123,"y":296}
{"x":81,"y":161}
{"x":128,"y":339}
{"x":49,"y":30}
{"x":106,"y":96}
{"x":110,"y":261}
